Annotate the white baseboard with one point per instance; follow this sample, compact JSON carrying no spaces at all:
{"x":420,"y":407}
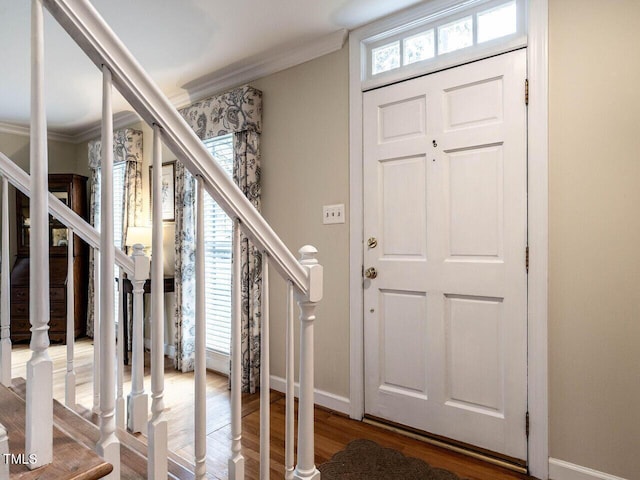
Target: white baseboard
{"x":169,"y":350}
{"x":322,"y":398}
{"x":561,"y":470}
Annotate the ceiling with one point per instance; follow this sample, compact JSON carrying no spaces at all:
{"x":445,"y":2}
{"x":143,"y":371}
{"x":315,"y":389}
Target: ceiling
{"x":180,"y":43}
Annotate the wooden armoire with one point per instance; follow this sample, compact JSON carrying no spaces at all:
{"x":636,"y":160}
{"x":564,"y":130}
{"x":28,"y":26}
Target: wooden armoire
{"x":72,"y":190}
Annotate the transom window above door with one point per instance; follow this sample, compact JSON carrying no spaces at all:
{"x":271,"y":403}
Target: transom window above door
{"x":455,"y":33}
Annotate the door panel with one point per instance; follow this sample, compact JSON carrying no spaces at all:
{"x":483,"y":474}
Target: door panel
{"x":445,"y":197}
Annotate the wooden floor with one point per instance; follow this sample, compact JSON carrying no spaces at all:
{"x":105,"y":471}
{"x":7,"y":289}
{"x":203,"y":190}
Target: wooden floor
{"x":332,"y":430}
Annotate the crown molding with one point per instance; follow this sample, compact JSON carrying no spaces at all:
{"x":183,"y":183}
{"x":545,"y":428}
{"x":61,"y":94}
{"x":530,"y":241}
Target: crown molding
{"x":257,"y":67}
{"x":120,"y":120}
{"x":25,"y":131}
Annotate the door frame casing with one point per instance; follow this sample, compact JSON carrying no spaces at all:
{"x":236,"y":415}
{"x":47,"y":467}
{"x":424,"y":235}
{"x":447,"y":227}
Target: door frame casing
{"x":537,"y":221}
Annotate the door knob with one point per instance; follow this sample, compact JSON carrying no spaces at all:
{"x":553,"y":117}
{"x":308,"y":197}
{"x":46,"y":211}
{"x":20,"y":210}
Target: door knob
{"x":371,"y":273}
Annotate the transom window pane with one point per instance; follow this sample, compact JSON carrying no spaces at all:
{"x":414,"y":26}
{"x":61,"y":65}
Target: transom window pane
{"x":455,"y":35}
{"x":419,"y":47}
{"x":385,"y":58}
{"x":464,"y":31}
{"x":497,"y":22}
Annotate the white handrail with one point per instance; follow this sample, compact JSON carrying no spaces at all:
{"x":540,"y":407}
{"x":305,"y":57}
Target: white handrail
{"x":22,"y":181}
{"x":80,"y":19}
{"x":89,"y":30}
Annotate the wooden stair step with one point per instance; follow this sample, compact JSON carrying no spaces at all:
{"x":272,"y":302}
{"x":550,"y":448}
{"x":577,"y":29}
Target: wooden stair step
{"x":71,"y":459}
{"x":82,"y":426}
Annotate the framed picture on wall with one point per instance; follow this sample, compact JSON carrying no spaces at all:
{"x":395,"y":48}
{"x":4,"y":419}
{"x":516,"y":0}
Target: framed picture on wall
{"x":168,"y":191}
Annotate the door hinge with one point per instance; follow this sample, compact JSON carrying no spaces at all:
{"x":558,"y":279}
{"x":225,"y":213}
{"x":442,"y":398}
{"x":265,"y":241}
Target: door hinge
{"x":526,"y":258}
{"x":526,"y":91}
{"x":526,"y":424}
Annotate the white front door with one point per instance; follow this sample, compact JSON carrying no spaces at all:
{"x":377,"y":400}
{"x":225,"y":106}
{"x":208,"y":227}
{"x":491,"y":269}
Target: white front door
{"x":445,"y":200}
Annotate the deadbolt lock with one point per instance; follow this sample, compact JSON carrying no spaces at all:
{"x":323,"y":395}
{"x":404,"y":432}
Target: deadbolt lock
{"x":371,"y":273}
{"x":372,"y":242}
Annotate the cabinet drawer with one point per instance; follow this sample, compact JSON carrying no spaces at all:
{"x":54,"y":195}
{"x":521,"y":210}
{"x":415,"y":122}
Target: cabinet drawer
{"x":21,"y":310}
{"x":19,"y":294}
{"x":58,"y":309}
{"x":58,"y":325}
{"x":20,"y":325}
{"x":57,"y":294}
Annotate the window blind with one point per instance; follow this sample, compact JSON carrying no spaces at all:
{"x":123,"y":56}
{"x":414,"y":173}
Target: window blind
{"x":218,"y":248}
{"x":118,"y":204}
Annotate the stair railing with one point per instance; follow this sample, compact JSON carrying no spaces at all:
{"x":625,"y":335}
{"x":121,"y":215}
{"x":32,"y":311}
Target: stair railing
{"x":120,"y":69}
{"x":136,"y":267}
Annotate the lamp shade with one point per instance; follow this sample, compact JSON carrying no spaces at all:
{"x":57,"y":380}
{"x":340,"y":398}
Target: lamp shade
{"x":141,"y":235}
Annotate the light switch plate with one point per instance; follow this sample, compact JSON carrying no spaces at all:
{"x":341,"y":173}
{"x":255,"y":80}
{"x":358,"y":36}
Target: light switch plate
{"x":333,"y":214}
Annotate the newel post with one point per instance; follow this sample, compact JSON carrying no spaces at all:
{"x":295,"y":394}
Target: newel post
{"x":138,"y":400}
{"x":306,"y":469}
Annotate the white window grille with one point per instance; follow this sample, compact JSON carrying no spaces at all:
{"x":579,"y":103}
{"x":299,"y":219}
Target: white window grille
{"x":459,"y":32}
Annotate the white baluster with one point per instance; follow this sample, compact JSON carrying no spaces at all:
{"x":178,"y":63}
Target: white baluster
{"x":96,"y":331}
{"x":157,"y":467}
{"x":4,"y":452}
{"x":70,"y":378}
{"x":289,"y":457}
{"x":306,"y":469}
{"x":120,"y":408}
{"x":265,"y":404}
{"x":236,"y":462}
{"x":5,"y":328}
{"x":138,"y":401}
{"x":108,"y":445}
{"x":200,"y":407}
{"x":39,"y":411}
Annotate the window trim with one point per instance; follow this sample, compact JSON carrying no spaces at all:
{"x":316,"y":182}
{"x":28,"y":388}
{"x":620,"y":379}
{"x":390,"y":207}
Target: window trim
{"x":437,"y":15}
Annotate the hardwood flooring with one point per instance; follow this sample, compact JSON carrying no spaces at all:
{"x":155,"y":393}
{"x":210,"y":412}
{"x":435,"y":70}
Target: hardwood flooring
{"x":332,"y":430}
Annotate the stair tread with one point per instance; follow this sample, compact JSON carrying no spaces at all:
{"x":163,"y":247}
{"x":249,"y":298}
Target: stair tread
{"x":71,"y":459}
{"x":133,"y":452}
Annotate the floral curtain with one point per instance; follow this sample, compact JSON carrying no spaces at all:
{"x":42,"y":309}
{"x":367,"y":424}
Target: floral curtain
{"x":239,"y":112}
{"x":127,"y":147}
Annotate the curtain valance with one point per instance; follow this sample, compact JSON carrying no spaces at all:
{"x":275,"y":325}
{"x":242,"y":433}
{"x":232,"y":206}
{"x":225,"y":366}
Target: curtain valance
{"x":127,"y":146}
{"x":236,"y":111}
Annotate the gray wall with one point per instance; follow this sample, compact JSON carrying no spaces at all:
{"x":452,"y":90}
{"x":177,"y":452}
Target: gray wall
{"x":305,"y":165}
{"x":594,"y":225}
